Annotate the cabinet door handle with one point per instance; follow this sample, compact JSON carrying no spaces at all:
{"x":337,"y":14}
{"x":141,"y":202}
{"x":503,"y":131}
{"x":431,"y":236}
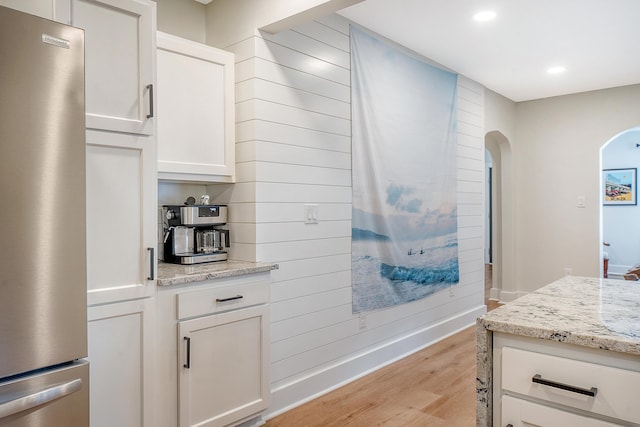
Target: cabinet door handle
{"x":188,"y":364}
{"x":152,"y":264}
{"x":229,"y":299}
{"x":150,"y":89}
{"x":537,"y":378}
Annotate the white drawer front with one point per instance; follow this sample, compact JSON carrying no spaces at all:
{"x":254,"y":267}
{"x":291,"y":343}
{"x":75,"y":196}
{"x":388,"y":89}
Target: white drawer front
{"x":522,"y":413}
{"x":222,"y":298}
{"x":617,"y":389}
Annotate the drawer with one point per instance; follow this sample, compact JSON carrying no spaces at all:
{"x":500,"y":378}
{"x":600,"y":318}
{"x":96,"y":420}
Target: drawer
{"x":616,"y":390}
{"x":222,"y":298}
{"x":522,"y":413}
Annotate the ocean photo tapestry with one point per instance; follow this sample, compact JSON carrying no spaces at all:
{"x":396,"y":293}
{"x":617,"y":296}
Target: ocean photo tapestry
{"x":404,"y":222}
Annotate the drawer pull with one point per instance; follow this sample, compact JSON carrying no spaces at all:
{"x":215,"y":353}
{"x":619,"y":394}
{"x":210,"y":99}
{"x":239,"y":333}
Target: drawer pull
{"x":229,"y":299}
{"x":537,"y":378}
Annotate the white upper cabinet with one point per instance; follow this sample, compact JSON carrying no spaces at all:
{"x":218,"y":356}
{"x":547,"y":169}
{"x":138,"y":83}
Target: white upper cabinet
{"x":119,"y":63}
{"x":57,"y":10}
{"x":121,"y":217}
{"x":196,"y":118}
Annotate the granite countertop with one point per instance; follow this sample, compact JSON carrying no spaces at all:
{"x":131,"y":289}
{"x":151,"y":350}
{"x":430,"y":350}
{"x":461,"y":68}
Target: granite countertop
{"x":584,"y":311}
{"x":591,"y":312}
{"x":176,"y":274}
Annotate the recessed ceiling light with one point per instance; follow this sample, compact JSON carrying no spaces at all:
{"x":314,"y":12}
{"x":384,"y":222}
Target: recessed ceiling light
{"x":486,"y":15}
{"x":556,"y":70}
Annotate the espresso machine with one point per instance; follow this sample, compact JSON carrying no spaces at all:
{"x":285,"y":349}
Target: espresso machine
{"x":192,"y":233}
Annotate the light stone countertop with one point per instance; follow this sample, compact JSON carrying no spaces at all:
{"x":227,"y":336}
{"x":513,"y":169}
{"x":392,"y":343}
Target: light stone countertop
{"x":590,"y":312}
{"x":176,"y":274}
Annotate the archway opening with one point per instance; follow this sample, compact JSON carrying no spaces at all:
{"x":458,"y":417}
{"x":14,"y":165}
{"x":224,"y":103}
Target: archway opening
{"x":499,"y":211}
{"x":619,"y":228}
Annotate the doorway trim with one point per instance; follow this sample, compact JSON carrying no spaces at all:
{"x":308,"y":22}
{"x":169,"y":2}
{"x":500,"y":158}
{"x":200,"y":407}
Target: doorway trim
{"x":504,"y":287}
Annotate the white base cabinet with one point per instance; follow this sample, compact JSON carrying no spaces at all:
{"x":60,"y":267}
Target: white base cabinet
{"x":523,"y":413}
{"x":121,"y":364}
{"x":221,"y":371}
{"x":213,"y":343}
{"x":549,"y":384}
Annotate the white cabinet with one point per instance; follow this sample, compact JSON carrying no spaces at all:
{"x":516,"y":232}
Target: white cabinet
{"x":119,"y":63}
{"x":57,"y":10}
{"x":120,"y":363}
{"x":121,"y":216}
{"x":121,"y":207}
{"x":523,"y":413}
{"x":550,"y":384}
{"x":213,"y":343}
{"x":196,"y":118}
{"x":222,"y":376}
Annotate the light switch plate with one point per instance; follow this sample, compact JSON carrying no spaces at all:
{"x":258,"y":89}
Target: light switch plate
{"x":310,"y":214}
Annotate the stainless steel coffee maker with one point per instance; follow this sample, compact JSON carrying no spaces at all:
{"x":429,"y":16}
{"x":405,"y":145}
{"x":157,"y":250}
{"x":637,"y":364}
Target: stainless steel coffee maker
{"x":192,"y":233}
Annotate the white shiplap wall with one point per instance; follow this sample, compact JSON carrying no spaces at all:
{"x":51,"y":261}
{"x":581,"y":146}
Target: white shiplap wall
{"x":293,"y":116}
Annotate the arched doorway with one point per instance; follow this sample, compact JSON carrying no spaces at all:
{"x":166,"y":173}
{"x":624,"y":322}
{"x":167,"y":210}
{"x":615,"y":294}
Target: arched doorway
{"x":619,"y":227}
{"x":502,"y":226}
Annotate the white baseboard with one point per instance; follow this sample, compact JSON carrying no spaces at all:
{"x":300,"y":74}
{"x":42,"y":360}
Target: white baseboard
{"x":319,"y":383}
{"x":618,"y":269}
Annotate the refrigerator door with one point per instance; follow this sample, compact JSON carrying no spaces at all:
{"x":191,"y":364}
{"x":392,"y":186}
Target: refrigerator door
{"x":43,"y":318}
{"x":59,"y":397}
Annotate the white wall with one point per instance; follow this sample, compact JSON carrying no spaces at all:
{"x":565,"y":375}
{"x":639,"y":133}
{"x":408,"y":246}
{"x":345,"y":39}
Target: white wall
{"x":621,"y":224}
{"x":183,"y":18}
{"x":500,"y":125}
{"x":293,"y":147}
{"x":231,"y":20}
{"x":557,"y":158}
{"x":499,"y":114}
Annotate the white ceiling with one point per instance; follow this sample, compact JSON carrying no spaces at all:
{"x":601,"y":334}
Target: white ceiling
{"x":598,"y":41}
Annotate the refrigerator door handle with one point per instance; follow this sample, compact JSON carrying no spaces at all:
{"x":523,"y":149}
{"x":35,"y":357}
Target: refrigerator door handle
{"x":42,"y":397}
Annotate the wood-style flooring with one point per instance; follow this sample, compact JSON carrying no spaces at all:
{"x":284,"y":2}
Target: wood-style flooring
{"x":432,"y":387}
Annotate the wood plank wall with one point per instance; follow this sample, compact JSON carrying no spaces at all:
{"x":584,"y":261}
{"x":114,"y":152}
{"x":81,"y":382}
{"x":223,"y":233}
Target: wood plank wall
{"x":293,"y":116}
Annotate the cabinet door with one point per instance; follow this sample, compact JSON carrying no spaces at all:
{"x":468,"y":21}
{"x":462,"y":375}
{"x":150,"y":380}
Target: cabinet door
{"x":223,"y":374}
{"x":120,"y":362}
{"x":196,"y":124}
{"x":121,"y":217}
{"x":119,"y":58}
{"x":56,"y":10}
{"x":522,"y":413}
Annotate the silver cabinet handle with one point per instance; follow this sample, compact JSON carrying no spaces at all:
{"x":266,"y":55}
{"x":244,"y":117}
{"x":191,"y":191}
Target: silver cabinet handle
{"x":537,"y":378}
{"x":150,"y":89}
{"x":32,"y":400}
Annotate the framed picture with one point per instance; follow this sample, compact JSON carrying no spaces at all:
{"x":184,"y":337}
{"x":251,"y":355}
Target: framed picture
{"x":620,"y":187}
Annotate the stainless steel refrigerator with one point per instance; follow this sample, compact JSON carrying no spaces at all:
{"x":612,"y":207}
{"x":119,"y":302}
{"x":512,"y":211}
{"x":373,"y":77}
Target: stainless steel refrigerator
{"x":44,"y":380}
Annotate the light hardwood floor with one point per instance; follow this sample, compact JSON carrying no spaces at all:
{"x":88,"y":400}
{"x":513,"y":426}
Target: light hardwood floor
{"x":432,"y":387}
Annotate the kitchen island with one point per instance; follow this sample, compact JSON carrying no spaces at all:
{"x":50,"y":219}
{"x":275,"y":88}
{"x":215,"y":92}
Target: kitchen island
{"x":566,"y":354}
